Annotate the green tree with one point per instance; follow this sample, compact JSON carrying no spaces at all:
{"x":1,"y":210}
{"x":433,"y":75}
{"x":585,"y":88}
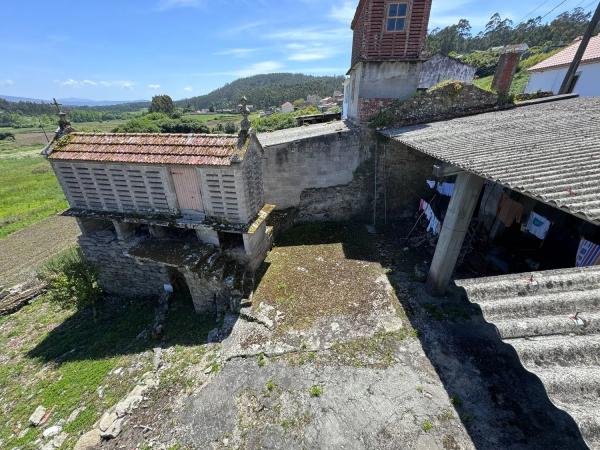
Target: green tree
{"x":162,"y":104}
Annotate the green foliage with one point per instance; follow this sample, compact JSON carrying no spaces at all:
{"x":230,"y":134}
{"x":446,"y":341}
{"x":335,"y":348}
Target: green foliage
{"x":162,"y":123}
{"x":265,"y":91}
{"x":261,"y":360}
{"x":427,"y":426}
{"x":316,"y":391}
{"x":72,"y":281}
{"x":162,"y":104}
{"x":501,"y":31}
{"x":280,"y":121}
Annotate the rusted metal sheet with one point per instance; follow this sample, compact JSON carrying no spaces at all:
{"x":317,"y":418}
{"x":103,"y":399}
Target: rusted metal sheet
{"x":187,"y":188}
{"x":181,"y":149}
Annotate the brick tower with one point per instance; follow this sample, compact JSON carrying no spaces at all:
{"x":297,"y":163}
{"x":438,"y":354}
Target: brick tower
{"x":387,"y":53}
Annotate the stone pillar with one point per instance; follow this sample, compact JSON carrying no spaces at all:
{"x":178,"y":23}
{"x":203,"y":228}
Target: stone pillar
{"x":207,"y":235}
{"x":125,"y":231}
{"x":507,"y":67}
{"x":455,"y":227}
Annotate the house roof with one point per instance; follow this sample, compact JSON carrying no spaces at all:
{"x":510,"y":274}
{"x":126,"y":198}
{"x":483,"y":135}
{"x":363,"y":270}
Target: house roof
{"x":359,"y":8}
{"x":186,"y":149}
{"x":565,"y":57}
{"x":548,"y":151}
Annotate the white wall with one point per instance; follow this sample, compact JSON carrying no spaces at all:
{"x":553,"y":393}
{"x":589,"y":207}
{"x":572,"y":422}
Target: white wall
{"x":588,"y":84}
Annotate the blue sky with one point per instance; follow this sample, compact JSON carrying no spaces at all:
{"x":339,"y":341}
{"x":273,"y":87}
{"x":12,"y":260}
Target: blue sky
{"x":133,"y":49}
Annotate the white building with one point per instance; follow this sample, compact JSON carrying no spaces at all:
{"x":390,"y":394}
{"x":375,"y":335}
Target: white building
{"x":548,"y":75}
{"x":287,"y":108}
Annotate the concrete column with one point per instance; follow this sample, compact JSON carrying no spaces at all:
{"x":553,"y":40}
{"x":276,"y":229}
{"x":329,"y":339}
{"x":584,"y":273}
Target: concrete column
{"x":207,"y":235}
{"x":125,"y":231}
{"x":455,"y":227}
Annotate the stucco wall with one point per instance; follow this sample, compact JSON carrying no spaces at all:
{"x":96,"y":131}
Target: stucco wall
{"x":331,"y":177}
{"x":588,"y":84}
{"x":318,"y":162}
{"x":441,"y":68}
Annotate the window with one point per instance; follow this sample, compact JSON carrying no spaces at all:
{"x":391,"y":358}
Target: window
{"x":396,"y":17}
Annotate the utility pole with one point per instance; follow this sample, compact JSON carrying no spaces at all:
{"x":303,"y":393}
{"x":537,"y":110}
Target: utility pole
{"x":568,"y":81}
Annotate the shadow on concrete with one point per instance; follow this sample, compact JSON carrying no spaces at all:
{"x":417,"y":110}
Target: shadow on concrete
{"x":123,"y":327}
{"x":500,"y":403}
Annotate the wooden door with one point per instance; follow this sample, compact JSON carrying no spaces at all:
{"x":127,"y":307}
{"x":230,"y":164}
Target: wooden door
{"x":187,"y":188}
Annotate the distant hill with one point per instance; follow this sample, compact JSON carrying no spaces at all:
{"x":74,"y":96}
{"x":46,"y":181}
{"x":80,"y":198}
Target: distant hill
{"x":268,"y":90}
{"x":72,"y":101}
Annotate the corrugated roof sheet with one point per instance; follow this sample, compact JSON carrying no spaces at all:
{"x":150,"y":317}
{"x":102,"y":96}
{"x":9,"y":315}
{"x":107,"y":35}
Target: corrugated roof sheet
{"x":564,"y":57}
{"x":186,"y":149}
{"x":304,"y":132}
{"x":548,"y":151}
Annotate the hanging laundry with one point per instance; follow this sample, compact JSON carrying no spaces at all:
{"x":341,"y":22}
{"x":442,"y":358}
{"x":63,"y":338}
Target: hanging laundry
{"x":538,"y":226}
{"x":509,"y":211}
{"x":588,"y":254}
{"x":435,"y":226}
{"x":446,"y":189}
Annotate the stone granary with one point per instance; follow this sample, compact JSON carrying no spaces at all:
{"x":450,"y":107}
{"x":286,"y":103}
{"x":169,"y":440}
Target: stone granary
{"x":156,"y":209}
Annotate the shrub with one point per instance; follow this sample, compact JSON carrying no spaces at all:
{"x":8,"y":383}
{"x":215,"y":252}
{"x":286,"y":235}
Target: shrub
{"x":72,"y":282}
{"x":7,"y":136}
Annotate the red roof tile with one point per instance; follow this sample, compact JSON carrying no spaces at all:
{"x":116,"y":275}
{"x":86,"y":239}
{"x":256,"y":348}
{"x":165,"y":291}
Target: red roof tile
{"x":187,"y":149}
{"x":564,"y":57}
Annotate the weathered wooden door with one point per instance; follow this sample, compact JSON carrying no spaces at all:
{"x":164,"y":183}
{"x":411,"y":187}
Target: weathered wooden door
{"x":187,"y":188}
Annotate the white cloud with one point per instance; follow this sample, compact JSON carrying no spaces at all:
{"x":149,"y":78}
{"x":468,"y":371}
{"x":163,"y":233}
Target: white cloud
{"x":70,"y":82}
{"x":344,"y":12}
{"x":237,"y":52}
{"x":314,"y":52}
{"x":188,"y":89}
{"x":154,"y":86}
{"x":164,"y":5}
{"x":258,"y":68}
{"x":4,"y":83}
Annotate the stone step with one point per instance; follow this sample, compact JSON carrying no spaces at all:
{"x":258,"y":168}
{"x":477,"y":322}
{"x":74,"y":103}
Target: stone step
{"x":571,"y":385}
{"x":551,"y":351}
{"x":546,"y":304}
{"x":588,"y":323}
{"x":480,"y":290}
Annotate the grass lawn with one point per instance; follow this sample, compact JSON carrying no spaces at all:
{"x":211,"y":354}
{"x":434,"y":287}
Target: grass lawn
{"x":62,"y":360}
{"x":29,"y":191}
{"x":518,"y":86}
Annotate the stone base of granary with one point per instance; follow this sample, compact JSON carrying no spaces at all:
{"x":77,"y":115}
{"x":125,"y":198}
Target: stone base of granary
{"x":118,"y":273}
{"x":141,"y":265}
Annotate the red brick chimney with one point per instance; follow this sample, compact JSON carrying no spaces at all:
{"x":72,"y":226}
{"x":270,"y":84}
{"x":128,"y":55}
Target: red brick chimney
{"x":507,"y":67}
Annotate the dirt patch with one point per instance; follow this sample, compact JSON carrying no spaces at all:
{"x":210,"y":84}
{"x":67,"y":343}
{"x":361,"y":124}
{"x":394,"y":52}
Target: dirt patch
{"x":24,"y":251}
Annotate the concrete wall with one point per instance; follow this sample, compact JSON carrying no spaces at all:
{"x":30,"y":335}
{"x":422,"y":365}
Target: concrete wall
{"x":381,"y":80}
{"x":588,"y":84}
{"x":331,"y":177}
{"x":318,"y":162}
{"x":441,"y":68}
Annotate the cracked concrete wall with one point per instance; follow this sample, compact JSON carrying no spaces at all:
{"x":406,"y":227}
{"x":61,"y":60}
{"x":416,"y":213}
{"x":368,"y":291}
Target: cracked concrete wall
{"x":331,"y":177}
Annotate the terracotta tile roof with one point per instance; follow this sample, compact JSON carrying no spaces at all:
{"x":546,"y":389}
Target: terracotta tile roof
{"x":564,"y":58}
{"x":188,"y":149}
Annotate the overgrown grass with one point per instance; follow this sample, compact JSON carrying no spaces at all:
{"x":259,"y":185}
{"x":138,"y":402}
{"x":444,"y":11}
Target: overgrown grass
{"x":29,"y":192}
{"x":61,"y":359}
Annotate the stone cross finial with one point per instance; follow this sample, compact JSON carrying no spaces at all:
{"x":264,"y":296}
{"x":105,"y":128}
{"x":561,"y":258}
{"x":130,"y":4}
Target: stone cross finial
{"x":64,"y":126}
{"x":245,"y":125}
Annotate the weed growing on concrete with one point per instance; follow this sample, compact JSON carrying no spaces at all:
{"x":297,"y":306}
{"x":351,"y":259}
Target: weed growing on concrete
{"x":427,"y":426}
{"x":270,"y":385}
{"x":316,"y":391}
{"x":261,"y":360}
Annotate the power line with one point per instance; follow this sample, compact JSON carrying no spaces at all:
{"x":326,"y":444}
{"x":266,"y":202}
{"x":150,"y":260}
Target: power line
{"x":589,"y":4}
{"x":553,"y":9}
{"x":534,"y":10}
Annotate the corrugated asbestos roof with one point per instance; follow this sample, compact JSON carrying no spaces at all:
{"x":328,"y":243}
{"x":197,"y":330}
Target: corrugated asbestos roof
{"x":187,"y":149}
{"x":564,"y":57}
{"x":305,"y":132}
{"x":548,"y":151}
